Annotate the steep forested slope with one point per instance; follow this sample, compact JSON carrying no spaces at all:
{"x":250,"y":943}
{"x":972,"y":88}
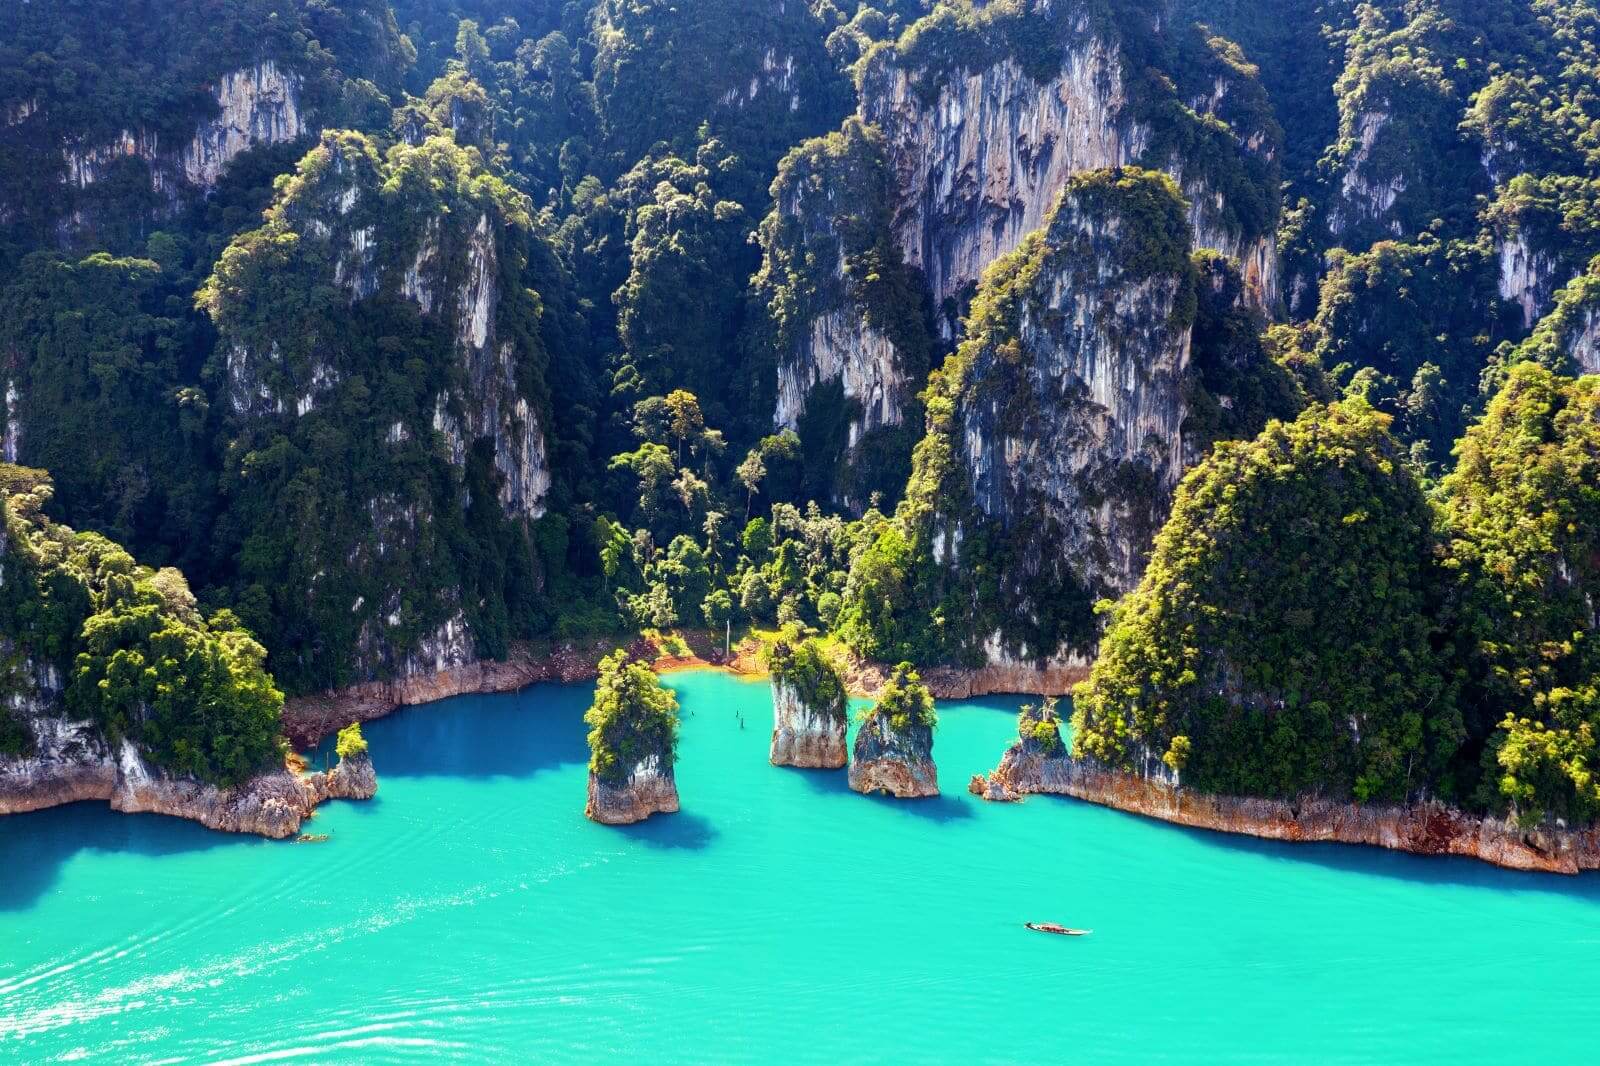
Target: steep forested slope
{"x":407,"y":330}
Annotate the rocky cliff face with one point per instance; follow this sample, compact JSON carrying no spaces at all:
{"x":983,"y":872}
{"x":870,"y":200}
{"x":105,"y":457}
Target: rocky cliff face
{"x":648,"y":789}
{"x":255,"y":105}
{"x":976,"y":169}
{"x":973,"y":159}
{"x":1367,"y":193}
{"x":803,"y":736}
{"x":443,"y":257}
{"x":1568,"y":338}
{"x":1527,"y":276}
{"x":1430,"y":829}
{"x":898,"y":762}
{"x":1586,"y":342}
{"x":1066,"y":440}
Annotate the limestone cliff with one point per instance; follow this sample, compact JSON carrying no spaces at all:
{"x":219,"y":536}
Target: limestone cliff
{"x":841,"y":306}
{"x":647,"y":789}
{"x":429,"y":253}
{"x":804,"y":735}
{"x":256,"y":105}
{"x":1527,"y":276}
{"x":969,"y":146}
{"x":1056,"y":430}
{"x":1368,"y":191}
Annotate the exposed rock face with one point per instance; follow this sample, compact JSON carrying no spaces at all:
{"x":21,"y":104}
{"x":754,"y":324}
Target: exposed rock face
{"x":1567,"y":339}
{"x":495,"y":409}
{"x":807,"y":737}
{"x":1430,"y":829}
{"x":1007,"y":675}
{"x":1527,"y":277}
{"x":454,"y":273}
{"x":1066,"y":439}
{"x":256,"y":105}
{"x":353,"y":778}
{"x":894,"y":761}
{"x":72,"y":764}
{"x":977,"y":169}
{"x":841,"y":348}
{"x":1365,"y":196}
{"x":11,"y":447}
{"x":648,"y":790}
{"x":1586,"y":343}
{"x":1107,"y":369}
{"x":1258,"y":258}
{"x":416,"y":225}
{"x":973,"y":168}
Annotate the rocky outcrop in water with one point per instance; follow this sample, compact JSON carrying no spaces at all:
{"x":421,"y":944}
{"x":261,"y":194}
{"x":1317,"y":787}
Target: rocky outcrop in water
{"x":806,"y":736}
{"x":898,"y":762}
{"x":1426,"y":829}
{"x":894,"y":743}
{"x":72,"y":764}
{"x":647,"y":790}
{"x":810,"y":711}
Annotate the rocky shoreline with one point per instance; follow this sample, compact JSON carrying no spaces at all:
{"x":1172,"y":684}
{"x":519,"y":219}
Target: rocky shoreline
{"x":309,"y":719}
{"x":275,"y":804}
{"x":1425,"y":829}
{"x":959,"y":683}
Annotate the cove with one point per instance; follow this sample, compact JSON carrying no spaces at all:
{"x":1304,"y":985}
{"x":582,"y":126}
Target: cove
{"x":472,"y":913}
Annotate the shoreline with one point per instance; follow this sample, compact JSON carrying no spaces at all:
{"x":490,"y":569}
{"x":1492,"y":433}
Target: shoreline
{"x":1430,"y":829}
{"x":309,"y":719}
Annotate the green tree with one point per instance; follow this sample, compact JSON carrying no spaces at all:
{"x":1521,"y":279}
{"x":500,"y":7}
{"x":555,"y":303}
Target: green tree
{"x":1523,"y":512}
{"x":633,"y":718}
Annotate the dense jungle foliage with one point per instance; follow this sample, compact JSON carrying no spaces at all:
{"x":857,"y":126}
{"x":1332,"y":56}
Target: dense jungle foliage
{"x":490,"y":349}
{"x":128,"y":647}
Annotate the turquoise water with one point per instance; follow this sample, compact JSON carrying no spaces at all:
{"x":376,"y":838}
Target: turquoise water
{"x":472,"y":913}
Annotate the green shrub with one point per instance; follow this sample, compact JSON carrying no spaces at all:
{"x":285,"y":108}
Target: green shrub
{"x":351,"y":744}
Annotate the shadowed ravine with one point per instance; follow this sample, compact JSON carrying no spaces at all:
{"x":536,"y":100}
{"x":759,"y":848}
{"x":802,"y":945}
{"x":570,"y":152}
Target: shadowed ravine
{"x":472,"y":912}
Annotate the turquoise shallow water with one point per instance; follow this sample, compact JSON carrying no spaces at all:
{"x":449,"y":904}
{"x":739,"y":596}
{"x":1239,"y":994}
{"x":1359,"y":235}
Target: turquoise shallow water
{"x":472,"y":913}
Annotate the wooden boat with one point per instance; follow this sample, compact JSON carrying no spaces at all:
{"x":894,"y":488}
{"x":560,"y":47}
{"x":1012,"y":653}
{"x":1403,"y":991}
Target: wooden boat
{"x":1059,"y":930}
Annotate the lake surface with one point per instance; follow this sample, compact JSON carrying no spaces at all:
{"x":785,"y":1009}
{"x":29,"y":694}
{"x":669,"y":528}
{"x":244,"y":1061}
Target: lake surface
{"x":472,"y":913}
